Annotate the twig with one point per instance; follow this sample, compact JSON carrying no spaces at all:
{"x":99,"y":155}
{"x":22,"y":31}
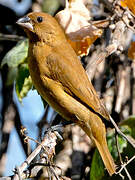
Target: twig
{"x":54,"y":173}
{"x":121,"y":89}
{"x":49,"y":142}
{"x":117,"y":145}
{"x":125,"y":164}
{"x":121,"y":133}
{"x":121,"y":13}
{"x":133,"y":87}
{"x":10,"y":37}
{"x":111,"y":48}
{"x":18,"y":172}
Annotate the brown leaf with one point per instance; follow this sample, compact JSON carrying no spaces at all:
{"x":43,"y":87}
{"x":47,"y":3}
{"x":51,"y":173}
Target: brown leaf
{"x":75,"y":20}
{"x":130,"y":4}
{"x":131,"y":51}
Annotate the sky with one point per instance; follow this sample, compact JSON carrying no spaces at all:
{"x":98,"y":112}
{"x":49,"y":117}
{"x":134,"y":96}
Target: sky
{"x":19,"y":7}
{"x":31,"y":111}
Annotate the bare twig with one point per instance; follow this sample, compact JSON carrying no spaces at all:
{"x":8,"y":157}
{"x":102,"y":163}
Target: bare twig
{"x":111,"y":48}
{"x":121,"y":161}
{"x":125,"y":164}
{"x":121,"y":13}
{"x":133,"y":88}
{"x":121,"y":89}
{"x":49,"y":142}
{"x":10,"y":37}
{"x":121,"y":133}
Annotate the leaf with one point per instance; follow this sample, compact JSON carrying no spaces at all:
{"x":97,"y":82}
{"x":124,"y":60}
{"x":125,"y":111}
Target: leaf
{"x":122,"y":142}
{"x":131,"y":51}
{"x":75,"y":20}
{"x":50,"y":6}
{"x":97,"y":167}
{"x":82,"y":47}
{"x":130,"y":122}
{"x":16,"y":55}
{"x":23,"y":82}
{"x":130,"y":4}
{"x":12,"y":73}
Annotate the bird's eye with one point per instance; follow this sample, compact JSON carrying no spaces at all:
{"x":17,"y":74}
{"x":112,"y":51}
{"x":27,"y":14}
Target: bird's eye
{"x":39,"y":19}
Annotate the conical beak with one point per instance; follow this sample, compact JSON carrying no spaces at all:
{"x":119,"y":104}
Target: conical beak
{"x":25,"y":22}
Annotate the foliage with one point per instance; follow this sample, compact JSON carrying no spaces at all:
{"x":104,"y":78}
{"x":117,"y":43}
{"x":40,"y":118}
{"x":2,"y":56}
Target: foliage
{"x":16,"y":60}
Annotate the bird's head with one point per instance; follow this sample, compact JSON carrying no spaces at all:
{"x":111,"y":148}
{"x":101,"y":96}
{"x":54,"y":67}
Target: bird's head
{"x":41,"y":26}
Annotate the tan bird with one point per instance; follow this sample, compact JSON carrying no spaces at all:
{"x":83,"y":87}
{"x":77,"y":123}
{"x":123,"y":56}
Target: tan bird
{"x":61,"y":80}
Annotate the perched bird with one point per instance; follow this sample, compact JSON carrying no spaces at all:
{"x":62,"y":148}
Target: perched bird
{"x":61,"y":80}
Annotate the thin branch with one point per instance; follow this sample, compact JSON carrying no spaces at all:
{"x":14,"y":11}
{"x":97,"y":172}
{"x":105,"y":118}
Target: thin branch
{"x":10,"y":37}
{"x":121,"y":89}
{"x":48,"y":143}
{"x":121,"y":161}
{"x":111,"y":48}
{"x":125,"y":164}
{"x":121,"y":133}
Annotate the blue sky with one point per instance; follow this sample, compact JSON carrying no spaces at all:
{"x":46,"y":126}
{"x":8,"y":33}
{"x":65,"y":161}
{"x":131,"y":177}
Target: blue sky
{"x":19,"y":7}
{"x":31,"y":111}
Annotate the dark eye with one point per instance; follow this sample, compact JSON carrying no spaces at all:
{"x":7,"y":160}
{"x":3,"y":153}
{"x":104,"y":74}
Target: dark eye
{"x":39,"y":19}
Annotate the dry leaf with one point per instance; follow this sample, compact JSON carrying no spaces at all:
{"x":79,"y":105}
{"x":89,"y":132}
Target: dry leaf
{"x":131,"y":51}
{"x":75,"y":20}
{"x":130,"y":4}
{"x":82,"y":47}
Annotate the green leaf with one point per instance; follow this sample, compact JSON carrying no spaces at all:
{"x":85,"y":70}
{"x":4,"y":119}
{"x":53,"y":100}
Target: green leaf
{"x":122,"y":142}
{"x":97,"y":171}
{"x":131,"y":123}
{"x":16,"y":55}
{"x":50,"y":6}
{"x":23,"y":82}
{"x":11,"y":76}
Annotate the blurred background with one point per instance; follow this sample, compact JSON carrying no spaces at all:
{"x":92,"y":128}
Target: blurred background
{"x":114,"y":81}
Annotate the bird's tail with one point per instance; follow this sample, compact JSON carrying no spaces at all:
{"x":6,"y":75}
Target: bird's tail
{"x":106,"y":157}
{"x":95,"y":129}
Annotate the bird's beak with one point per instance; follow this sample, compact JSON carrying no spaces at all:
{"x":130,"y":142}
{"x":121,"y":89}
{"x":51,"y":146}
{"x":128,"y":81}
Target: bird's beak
{"x":25,"y":22}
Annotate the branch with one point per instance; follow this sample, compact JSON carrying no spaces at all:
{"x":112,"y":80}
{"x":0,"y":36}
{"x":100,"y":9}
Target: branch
{"x":125,"y":164}
{"x":113,"y":46}
{"x":10,"y":37}
{"x":46,"y":150}
{"x":130,"y":141}
{"x":121,"y":161}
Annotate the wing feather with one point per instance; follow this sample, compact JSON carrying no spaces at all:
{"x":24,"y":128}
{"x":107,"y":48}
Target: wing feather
{"x":70,"y":73}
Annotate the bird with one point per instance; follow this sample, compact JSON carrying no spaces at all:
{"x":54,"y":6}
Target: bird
{"x":61,"y":80}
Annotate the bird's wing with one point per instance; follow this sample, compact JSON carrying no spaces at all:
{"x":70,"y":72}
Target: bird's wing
{"x":67,"y":69}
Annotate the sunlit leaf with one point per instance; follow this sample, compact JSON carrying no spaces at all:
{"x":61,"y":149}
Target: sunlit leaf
{"x":130,"y":4}
{"x":75,"y":20}
{"x":82,"y":47}
{"x":23,"y":82}
{"x":16,"y":55}
{"x":131,"y":51}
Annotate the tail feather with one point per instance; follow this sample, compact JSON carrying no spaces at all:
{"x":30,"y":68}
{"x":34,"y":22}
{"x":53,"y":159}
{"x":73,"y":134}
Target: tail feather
{"x":106,"y":157}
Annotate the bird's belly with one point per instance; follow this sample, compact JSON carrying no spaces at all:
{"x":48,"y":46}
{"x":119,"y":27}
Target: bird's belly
{"x":66,"y":105}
